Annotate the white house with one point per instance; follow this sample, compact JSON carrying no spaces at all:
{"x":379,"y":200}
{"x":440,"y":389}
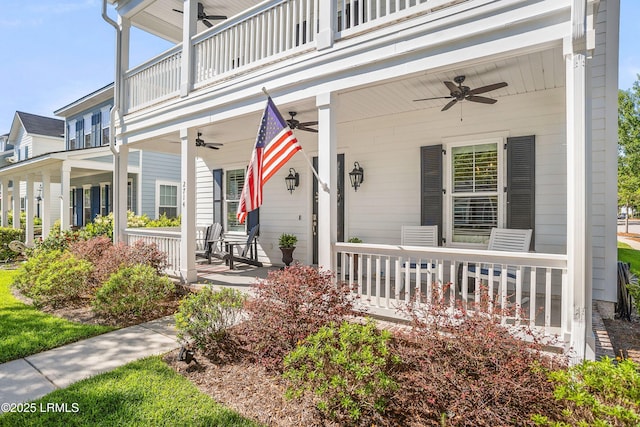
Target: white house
{"x":534,"y":124}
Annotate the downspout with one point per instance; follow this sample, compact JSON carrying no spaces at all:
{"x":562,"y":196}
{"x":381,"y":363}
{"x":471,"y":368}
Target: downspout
{"x":116,"y":86}
{"x":115,"y":110}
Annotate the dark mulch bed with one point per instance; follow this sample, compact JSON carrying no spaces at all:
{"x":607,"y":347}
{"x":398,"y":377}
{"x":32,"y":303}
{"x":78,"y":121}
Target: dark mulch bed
{"x":80,"y":311}
{"x":248,"y":389}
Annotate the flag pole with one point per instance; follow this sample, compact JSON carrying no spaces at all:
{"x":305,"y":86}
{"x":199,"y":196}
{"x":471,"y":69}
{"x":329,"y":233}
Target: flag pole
{"x":322,"y":184}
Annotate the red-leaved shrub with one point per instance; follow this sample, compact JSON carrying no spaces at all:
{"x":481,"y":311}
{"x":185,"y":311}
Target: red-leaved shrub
{"x":468,"y":370}
{"x":107,"y":258}
{"x":290,"y":305}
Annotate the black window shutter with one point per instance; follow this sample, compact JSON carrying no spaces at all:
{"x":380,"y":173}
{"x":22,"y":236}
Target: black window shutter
{"x":521,"y":180}
{"x":217,"y":195}
{"x":253,"y":219}
{"x":431,"y":187}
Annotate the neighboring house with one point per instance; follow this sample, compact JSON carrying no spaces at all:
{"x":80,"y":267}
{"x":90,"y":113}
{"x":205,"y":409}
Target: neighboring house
{"x":31,"y":137}
{"x":543,"y":157}
{"x":6,"y":150}
{"x":79,"y":175}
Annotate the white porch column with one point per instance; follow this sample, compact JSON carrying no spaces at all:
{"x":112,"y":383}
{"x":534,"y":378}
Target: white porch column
{"x":16,"y":202}
{"x":579,"y":274}
{"x":188,"y":271}
{"x":65,"y":188}
{"x":3,"y":202}
{"x":45,"y":208}
{"x":120,"y":180}
{"x":189,"y":21}
{"x":123,"y":51}
{"x":29,"y":211}
{"x":328,"y":172}
{"x":326,"y":23}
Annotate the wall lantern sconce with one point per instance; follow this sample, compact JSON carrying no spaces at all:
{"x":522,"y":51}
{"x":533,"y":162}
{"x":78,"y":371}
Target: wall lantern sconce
{"x":356,"y":176}
{"x":292,"y":180}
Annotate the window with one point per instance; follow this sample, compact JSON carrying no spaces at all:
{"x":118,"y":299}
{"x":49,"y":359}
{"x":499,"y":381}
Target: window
{"x":105,"y":122}
{"x":474,"y":199}
{"x":96,"y":129}
{"x":167,"y":200}
{"x":87,"y":131}
{"x":234,"y":184}
{"x":26,"y":153}
{"x":86,"y":204}
{"x":79,"y":134}
{"x":71,"y":135}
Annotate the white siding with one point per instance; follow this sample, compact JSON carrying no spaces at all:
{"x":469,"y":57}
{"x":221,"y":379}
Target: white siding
{"x":604,"y":78}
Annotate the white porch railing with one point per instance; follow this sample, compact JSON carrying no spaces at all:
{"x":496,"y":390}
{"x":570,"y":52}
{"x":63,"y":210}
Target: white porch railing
{"x":260,"y":33}
{"x":354,"y":13}
{"x":154,"y":81}
{"x":264,"y":34}
{"x":533,"y":291}
{"x":166,"y":239}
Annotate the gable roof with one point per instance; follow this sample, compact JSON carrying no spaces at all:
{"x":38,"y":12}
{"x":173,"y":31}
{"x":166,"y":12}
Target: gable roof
{"x":40,"y":125}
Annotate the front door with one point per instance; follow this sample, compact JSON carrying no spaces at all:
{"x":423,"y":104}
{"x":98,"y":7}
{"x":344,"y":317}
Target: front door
{"x":314,"y":219}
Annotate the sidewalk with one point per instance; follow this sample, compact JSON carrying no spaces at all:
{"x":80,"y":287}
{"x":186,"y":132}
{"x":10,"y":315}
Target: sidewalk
{"x":34,"y":376}
{"x":634,"y":244}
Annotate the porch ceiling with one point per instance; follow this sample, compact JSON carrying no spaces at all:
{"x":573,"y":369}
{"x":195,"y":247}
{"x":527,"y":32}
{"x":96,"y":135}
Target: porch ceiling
{"x":160,"y":19}
{"x":526,"y":73}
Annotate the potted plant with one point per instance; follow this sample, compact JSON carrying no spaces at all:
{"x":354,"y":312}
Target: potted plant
{"x":287,"y":243}
{"x":355,"y":256}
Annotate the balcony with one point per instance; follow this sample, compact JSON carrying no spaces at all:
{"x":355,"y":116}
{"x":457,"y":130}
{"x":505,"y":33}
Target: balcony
{"x":260,"y":36}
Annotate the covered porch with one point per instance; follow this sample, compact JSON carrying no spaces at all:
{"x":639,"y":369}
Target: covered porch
{"x":366,"y":115}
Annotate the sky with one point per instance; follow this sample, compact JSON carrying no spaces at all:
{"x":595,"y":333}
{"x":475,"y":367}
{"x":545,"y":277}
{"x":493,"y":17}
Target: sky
{"x":56,"y":51}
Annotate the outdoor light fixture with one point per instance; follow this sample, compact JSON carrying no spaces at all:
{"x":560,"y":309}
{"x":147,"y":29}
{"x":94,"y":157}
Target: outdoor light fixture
{"x":292,"y":180}
{"x":356,"y":176}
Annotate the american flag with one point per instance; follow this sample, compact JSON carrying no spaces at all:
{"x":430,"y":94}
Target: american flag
{"x":275,"y":145}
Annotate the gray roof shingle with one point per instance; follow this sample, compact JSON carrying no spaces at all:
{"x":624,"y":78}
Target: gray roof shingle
{"x":40,"y":125}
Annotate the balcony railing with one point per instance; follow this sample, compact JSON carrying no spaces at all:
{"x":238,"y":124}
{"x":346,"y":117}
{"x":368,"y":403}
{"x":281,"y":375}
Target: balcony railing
{"x":262,"y":35}
{"x":525,"y":288}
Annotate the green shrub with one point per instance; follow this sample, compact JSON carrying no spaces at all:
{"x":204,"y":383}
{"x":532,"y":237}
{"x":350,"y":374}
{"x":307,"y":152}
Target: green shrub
{"x":634,"y":291}
{"x":206,"y":316}
{"x":132,"y":290}
{"x":58,"y":240}
{"x":348,"y":368}
{"x":53,"y":277}
{"x":7,"y":235}
{"x":600,"y":393}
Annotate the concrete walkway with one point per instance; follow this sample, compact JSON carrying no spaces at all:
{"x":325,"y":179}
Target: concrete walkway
{"x":34,"y":376}
{"x":634,"y":244}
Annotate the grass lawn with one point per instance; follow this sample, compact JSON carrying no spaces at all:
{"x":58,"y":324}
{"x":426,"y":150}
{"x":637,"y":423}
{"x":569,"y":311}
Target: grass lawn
{"x":142,"y":393}
{"x":631,"y":256}
{"x":25,"y":330}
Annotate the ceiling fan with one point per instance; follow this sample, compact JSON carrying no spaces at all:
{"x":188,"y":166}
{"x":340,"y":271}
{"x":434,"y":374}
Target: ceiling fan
{"x":462,"y":93}
{"x":295,"y":124}
{"x":202,"y":16}
{"x":213,"y":145}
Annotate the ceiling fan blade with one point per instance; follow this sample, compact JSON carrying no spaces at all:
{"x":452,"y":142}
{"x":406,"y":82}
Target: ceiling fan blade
{"x":215,"y":17}
{"x":449,"y":105}
{"x":452,"y":87}
{"x":207,"y":23}
{"x":212,"y":147}
{"x":487,"y":88}
{"x":308,"y":123}
{"x":176,"y":10}
{"x":306,"y":129}
{"x":430,"y":99}
{"x":482,"y":99}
